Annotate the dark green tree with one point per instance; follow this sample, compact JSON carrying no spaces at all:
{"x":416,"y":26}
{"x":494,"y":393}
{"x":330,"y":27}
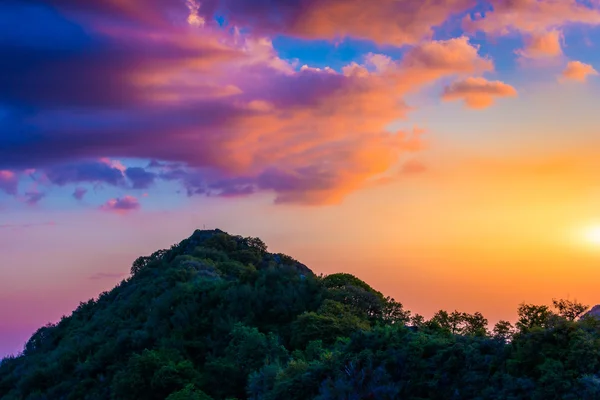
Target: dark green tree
{"x":571,"y":310}
{"x":503,"y":330}
{"x":531,"y":316}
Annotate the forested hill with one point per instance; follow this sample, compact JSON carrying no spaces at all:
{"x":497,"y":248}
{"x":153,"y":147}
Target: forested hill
{"x":218,"y":317}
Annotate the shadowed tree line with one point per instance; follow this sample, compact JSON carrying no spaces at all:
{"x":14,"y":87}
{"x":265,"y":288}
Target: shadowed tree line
{"x":218,"y":317}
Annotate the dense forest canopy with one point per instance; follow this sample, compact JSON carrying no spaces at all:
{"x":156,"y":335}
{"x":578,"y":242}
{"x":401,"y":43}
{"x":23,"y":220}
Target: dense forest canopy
{"x":218,"y":317}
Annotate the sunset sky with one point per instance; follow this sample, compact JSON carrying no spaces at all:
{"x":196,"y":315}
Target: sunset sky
{"x":447,"y":152}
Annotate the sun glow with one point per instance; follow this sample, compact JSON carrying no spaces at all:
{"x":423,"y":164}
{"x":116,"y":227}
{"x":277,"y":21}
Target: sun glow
{"x":593,"y":235}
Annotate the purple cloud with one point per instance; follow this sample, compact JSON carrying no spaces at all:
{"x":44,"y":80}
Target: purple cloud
{"x":79,"y":193}
{"x":8,"y":182}
{"x":140,"y":178}
{"x":33,"y":197}
{"x":88,"y":171}
{"x":216,"y":109}
{"x":397,"y":22}
{"x":121,"y":205}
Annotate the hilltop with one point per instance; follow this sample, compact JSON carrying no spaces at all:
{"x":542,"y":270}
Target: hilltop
{"x":217,"y":316}
{"x":593,"y":312}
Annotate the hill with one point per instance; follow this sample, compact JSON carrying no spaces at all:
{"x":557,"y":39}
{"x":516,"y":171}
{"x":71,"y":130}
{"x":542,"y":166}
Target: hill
{"x":593,"y":312}
{"x":219,"y":317}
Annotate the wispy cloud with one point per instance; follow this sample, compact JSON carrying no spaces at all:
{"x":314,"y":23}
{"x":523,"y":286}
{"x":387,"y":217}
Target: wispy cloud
{"x":121,"y":205}
{"x":33,"y":197}
{"x":27,"y":225}
{"x":107,"y":275}
{"x":478,"y":92}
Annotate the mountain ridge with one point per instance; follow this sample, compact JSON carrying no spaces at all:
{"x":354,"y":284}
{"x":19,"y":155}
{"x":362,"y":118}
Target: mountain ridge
{"x":217,"y":316}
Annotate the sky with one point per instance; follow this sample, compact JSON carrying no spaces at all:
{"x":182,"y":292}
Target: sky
{"x":444,"y":151}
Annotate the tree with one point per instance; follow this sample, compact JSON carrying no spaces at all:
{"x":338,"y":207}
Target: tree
{"x":417,"y":320}
{"x":452,"y":322}
{"x":474,"y":324}
{"x":503,"y":330}
{"x":257,"y":244}
{"x":570,"y":310}
{"x":189,"y":393}
{"x":248,"y":350}
{"x":331,"y":321}
{"x":138,"y":264}
{"x":360,"y":297}
{"x":154,"y":374}
{"x":531,"y":316}
{"x":142,"y":262}
{"x":394,"y":313}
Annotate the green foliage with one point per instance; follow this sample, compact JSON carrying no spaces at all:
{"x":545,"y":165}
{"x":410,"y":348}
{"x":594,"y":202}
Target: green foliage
{"x":503,"y":330}
{"x":189,"y":393}
{"x":248,"y":350}
{"x":332,"y":321}
{"x":218,"y":317}
{"x":459,"y":323}
{"x":153,"y":374}
{"x":533,"y":316}
{"x":568,"y":309}
{"x":363,"y":300}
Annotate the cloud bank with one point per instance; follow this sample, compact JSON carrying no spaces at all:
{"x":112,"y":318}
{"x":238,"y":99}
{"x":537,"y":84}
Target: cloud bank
{"x":235,"y":117}
{"x":217,"y":108}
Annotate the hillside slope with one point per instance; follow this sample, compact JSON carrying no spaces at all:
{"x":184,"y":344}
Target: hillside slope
{"x":218,"y":317}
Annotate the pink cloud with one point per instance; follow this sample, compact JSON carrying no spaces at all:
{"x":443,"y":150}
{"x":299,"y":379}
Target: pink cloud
{"x":539,"y":21}
{"x":121,"y":205}
{"x":542,"y":45}
{"x":114,"y":164}
{"x":348,"y":114}
{"x":8,"y":182}
{"x":379,"y":62}
{"x":223,"y":106}
{"x":578,"y":71}
{"x":396,"y":22}
{"x":310,"y":136}
{"x":532,"y":16}
{"x":436,"y":59}
{"x":478,"y":92}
